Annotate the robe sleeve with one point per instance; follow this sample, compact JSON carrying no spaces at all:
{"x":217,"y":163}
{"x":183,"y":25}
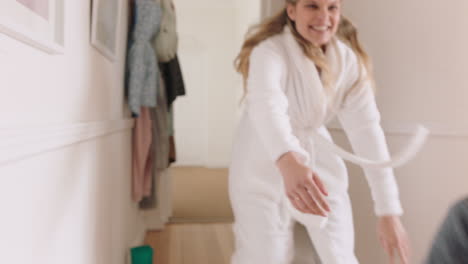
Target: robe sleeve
{"x":267,"y":104}
{"x":360,"y":118}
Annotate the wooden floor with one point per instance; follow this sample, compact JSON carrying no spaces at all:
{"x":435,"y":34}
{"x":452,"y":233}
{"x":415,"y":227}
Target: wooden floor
{"x":200,"y":193}
{"x":192,"y":244}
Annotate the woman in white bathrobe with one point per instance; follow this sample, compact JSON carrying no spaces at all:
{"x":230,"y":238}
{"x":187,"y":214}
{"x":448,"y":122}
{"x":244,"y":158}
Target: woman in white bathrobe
{"x":284,"y":167}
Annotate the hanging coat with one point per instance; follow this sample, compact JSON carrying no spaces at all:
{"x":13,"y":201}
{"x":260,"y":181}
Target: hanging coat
{"x":160,"y":144}
{"x":142,"y":66}
{"x":142,"y":156}
{"x":173,"y":79}
{"x":166,"y":43}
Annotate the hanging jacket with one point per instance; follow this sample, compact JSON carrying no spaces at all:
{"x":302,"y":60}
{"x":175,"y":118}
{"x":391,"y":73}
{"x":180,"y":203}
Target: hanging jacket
{"x":142,"y":67}
{"x":173,"y":79}
{"x":165,"y":44}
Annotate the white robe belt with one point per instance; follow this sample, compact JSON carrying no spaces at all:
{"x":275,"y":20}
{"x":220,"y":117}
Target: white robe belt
{"x":416,"y":142}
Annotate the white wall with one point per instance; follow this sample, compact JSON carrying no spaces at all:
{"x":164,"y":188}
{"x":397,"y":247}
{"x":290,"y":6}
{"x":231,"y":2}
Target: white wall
{"x":65,"y":196}
{"x":210,"y":33}
{"x":421,"y":63}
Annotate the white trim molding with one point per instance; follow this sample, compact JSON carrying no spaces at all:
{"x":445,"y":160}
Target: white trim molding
{"x":406,"y":129}
{"x":20,"y":142}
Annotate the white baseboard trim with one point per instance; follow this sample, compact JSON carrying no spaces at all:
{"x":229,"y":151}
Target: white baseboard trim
{"x":139,"y":238}
{"x":20,"y":142}
{"x":157,"y":218}
{"x":139,"y":241}
{"x":141,"y":232}
{"x":154,"y":220}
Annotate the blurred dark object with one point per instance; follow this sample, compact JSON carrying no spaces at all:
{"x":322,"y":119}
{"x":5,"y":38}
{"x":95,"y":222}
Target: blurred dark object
{"x":450,"y":245}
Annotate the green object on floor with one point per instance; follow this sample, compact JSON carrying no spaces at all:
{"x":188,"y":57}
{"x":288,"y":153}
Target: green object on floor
{"x":142,"y":255}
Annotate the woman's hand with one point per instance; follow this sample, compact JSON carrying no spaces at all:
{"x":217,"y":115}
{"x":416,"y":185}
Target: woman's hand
{"x":303,"y":187}
{"x":393,"y":238}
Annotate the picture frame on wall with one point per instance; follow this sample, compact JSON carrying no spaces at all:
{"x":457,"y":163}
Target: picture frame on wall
{"x":106,"y":19}
{"x":38,"y":23}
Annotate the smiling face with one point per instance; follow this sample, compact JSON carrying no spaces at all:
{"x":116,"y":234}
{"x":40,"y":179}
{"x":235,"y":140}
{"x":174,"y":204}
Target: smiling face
{"x":316,"y":20}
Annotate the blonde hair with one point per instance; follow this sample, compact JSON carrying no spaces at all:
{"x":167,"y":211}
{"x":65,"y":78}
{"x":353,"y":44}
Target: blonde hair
{"x":273,"y":26}
{"x":347,"y":32}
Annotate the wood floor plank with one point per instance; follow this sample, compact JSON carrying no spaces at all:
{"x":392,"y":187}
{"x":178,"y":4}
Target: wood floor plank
{"x":175,"y":246}
{"x":192,"y":244}
{"x":223,"y":236}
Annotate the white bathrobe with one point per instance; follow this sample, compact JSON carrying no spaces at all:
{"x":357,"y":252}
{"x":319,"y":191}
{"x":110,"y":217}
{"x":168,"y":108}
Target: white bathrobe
{"x":286,"y":110}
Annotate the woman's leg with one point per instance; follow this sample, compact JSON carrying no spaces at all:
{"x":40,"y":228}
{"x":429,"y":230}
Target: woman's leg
{"x":262,"y":230}
{"x":335,"y":242}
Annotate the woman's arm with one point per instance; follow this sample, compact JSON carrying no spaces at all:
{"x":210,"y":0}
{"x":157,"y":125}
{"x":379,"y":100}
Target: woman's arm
{"x":360,"y":119}
{"x":267,"y":104}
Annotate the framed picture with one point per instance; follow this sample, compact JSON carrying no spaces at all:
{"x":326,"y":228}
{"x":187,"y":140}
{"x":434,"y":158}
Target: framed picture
{"x":39,"y":23}
{"x":106,"y":16}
